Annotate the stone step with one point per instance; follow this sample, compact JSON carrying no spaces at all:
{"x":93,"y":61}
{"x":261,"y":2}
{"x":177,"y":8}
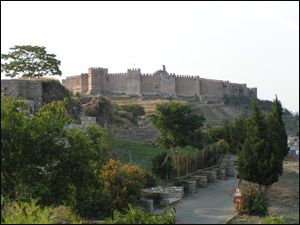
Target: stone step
{"x":222,"y":174}
{"x":147,"y":204}
{"x":211,"y":176}
{"x":201,"y":181}
{"x":191,"y":186}
{"x":168,"y":201}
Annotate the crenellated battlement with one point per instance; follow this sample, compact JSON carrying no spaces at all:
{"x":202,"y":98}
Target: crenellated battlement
{"x":134,"y":70}
{"x":73,"y":76}
{"x":98,"y":68}
{"x":160,"y":83}
{"x":147,"y":75}
{"x":117,"y":74}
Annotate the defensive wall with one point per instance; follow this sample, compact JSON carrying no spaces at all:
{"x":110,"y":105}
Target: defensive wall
{"x":161,"y":83}
{"x":29,"y":90}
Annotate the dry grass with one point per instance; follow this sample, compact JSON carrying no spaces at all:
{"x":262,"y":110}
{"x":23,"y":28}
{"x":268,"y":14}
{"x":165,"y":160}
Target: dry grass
{"x":214,"y":114}
{"x":148,"y":104}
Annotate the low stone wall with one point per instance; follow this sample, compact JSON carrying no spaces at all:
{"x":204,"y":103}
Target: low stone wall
{"x":136,"y":133}
{"x":163,"y":195}
{"x":166,"y":195}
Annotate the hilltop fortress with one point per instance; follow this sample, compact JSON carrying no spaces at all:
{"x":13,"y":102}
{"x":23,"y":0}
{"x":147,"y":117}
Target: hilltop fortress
{"x":160,"y":84}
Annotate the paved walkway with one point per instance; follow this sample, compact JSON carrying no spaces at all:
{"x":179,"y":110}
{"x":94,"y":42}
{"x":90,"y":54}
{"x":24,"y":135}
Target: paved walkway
{"x":212,"y":205}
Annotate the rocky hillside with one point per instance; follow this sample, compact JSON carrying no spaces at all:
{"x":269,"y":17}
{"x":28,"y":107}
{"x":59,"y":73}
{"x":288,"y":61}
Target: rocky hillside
{"x":96,"y":106}
{"x":105,"y":109}
{"x":215,"y":114}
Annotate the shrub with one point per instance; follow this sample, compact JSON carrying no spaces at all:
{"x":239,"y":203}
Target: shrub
{"x":131,"y":112}
{"x":25,"y":213}
{"x":63,"y":214}
{"x":139,"y":216}
{"x":53,"y":90}
{"x":162,"y":166}
{"x":135,"y":109}
{"x":123,"y":181}
{"x":211,"y":154}
{"x":272,"y":219}
{"x":149,"y":181}
{"x":99,"y":107}
{"x":253,"y":201}
{"x":31,"y":213}
{"x":93,"y":202}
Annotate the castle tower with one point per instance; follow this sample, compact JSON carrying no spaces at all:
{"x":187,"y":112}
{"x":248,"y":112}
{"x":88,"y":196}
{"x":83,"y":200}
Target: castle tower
{"x":96,"y":80}
{"x":167,"y":83}
{"x":134,"y":82}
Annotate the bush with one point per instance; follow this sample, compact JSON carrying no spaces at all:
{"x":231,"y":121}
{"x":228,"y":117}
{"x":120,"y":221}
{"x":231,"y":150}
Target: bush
{"x":31,"y":213}
{"x":149,"y":181}
{"x":135,"y":109}
{"x":93,"y":203}
{"x":211,"y":154}
{"x":131,"y":112}
{"x":63,"y":214}
{"x":99,"y":107}
{"x":138,"y":216}
{"x":162,"y":166}
{"x":124,"y":182}
{"x":272,"y":219}
{"x":42,"y":160}
{"x":253,"y":201}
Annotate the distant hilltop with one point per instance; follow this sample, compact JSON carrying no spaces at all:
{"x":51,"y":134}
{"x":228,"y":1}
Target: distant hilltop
{"x":160,"y":84}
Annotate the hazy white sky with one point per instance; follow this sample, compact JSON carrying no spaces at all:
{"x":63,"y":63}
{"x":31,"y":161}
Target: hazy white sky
{"x":256,"y":43}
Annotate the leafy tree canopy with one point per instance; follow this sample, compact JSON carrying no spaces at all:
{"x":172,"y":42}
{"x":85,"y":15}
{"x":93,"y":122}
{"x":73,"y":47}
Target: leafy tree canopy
{"x":29,"y":61}
{"x":177,"y":124}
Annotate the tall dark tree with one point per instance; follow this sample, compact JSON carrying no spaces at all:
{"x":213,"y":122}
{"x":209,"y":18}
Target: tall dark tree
{"x":238,"y":134}
{"x":256,"y":156}
{"x":29,"y":61}
{"x":277,"y":135}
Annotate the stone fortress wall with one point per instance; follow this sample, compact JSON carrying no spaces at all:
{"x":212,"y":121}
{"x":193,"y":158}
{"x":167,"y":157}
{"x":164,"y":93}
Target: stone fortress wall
{"x":161,"y":83}
{"x":29,"y":90}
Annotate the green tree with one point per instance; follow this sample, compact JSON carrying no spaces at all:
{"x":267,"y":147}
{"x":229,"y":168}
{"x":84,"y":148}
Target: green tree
{"x":13,"y":134}
{"x":41,"y":159}
{"x":237,"y":134}
{"x":256,"y":156}
{"x":29,"y":61}
{"x":177,"y":124}
{"x":277,"y":138}
{"x":277,"y":125}
{"x":216,"y":133}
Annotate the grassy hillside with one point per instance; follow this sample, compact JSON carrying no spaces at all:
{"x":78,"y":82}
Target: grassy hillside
{"x":215,"y":114}
{"x":148,"y":104}
{"x":141,"y":155}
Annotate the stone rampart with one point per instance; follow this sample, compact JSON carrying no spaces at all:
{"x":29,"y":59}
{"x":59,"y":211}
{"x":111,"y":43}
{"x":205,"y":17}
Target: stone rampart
{"x":161,"y":83}
{"x":25,"y":89}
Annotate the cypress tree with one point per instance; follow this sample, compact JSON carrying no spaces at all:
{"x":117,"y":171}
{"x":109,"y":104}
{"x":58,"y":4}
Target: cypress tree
{"x":255,"y":157}
{"x":277,"y":136}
